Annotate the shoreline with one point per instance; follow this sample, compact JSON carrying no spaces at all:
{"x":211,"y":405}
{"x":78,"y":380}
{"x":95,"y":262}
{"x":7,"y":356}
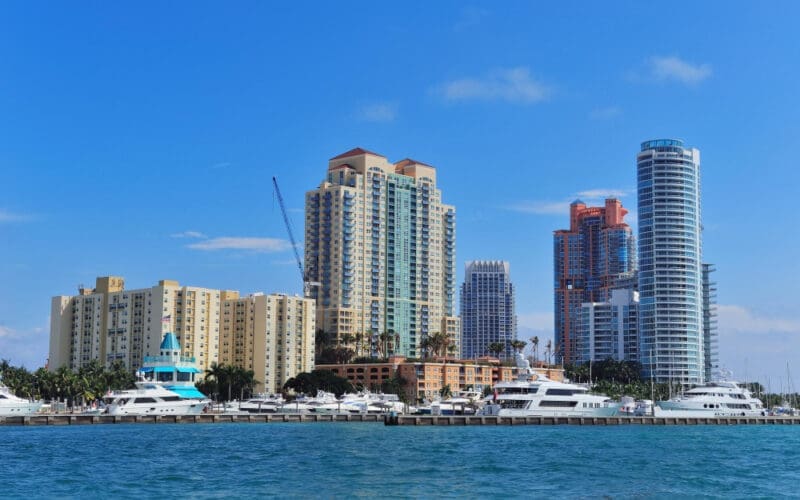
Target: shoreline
{"x":388,"y":420}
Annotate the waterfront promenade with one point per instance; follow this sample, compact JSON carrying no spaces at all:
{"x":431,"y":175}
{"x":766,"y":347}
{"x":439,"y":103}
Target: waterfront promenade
{"x":389,"y":420}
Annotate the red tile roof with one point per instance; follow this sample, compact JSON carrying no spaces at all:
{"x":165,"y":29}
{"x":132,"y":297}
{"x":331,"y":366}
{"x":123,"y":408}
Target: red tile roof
{"x":356,"y":152}
{"x":410,"y":161}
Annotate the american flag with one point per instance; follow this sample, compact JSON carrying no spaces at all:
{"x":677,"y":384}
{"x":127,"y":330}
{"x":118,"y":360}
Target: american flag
{"x":165,"y":319}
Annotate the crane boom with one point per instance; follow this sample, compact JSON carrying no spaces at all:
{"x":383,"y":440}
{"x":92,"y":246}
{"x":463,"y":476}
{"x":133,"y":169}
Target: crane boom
{"x":289,"y":230}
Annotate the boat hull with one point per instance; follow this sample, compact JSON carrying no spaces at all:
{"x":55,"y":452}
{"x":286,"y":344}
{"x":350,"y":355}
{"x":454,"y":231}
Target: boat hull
{"x":707,"y":413}
{"x":20,"y":409}
{"x":173,"y":408}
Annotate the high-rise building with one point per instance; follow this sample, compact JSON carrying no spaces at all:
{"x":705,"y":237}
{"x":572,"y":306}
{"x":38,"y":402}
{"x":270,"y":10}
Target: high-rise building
{"x":609,"y":329}
{"x":487,"y":309}
{"x":273,"y":335}
{"x":591,"y":258}
{"x":109,"y":323}
{"x":670,"y":271}
{"x":710,"y":334}
{"x":381,"y":244}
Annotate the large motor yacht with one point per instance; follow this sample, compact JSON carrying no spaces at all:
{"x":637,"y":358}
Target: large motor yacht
{"x":151,"y":398}
{"x":533,"y":395}
{"x":714,"y":399}
{"x":13,"y":406}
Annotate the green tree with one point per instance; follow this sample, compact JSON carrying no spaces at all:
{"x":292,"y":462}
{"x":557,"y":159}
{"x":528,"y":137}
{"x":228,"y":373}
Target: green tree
{"x":310,"y":383}
{"x":518,"y":345}
{"x":535,"y":344}
{"x":496,"y":348}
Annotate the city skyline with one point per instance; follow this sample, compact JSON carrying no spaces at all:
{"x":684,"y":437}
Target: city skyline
{"x":150,"y":156}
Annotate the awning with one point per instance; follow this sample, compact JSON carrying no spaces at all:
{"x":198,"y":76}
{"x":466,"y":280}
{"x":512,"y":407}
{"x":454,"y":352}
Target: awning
{"x":188,"y":369}
{"x":186,"y":391}
{"x":146,"y":369}
{"x":164,"y":369}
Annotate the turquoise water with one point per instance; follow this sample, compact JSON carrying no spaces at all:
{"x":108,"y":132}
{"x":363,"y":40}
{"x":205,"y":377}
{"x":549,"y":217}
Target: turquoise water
{"x":344,"y":460}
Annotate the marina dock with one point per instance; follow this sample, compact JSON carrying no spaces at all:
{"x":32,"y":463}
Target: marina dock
{"x":627,"y":420}
{"x":389,"y":420}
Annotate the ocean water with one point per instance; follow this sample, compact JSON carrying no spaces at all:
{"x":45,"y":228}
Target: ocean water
{"x":312,"y":460}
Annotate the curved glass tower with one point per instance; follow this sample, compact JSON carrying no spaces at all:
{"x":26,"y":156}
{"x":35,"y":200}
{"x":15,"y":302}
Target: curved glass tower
{"x":670,"y":270}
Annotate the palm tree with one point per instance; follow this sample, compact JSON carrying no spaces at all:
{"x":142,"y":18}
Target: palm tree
{"x":382,"y":344}
{"x":229,"y":373}
{"x":396,"y":346}
{"x":439,"y":343}
{"x":496,"y":348}
{"x":535,"y":344}
{"x":548,"y":350}
{"x":519,"y":345}
{"x":426,"y":345}
{"x":215,"y":373}
{"x":359,"y":339}
{"x":347,"y":339}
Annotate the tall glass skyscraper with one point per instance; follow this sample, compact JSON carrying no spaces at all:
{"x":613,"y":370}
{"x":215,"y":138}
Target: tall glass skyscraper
{"x":487,"y":309}
{"x":670,"y":271}
{"x":381,"y":244}
{"x":593,"y":257}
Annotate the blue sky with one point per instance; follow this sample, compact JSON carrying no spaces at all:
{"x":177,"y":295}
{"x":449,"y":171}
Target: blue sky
{"x":140,"y":140}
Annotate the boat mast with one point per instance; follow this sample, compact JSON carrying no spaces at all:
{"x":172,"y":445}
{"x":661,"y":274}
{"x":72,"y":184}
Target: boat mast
{"x":652,"y":388}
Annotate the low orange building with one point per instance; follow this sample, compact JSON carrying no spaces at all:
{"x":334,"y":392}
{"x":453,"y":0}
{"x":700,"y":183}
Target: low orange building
{"x":424,"y":379}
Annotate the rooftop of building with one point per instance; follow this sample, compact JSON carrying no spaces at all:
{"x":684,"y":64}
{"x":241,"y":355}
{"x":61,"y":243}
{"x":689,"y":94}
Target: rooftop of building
{"x":355,"y":152}
{"x":662,"y":143}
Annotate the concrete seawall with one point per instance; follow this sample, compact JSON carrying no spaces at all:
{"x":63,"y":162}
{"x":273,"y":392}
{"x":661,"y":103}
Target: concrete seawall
{"x":478,"y":420}
{"x":38,"y":420}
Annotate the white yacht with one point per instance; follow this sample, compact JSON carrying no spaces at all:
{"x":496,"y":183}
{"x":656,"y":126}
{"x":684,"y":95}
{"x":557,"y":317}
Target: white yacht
{"x":262,"y":403}
{"x":323,"y":402}
{"x":370,"y":402}
{"x":461,"y":403}
{"x":714,"y":399}
{"x":13,"y":406}
{"x":533,"y":395}
{"x":151,"y":398}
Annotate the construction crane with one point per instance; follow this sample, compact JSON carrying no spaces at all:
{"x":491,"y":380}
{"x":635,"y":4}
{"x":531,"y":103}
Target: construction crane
{"x":306,"y":283}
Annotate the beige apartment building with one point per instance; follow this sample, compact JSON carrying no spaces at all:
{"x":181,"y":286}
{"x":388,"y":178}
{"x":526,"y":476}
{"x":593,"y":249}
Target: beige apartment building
{"x":381,"y":244}
{"x":271,"y":334}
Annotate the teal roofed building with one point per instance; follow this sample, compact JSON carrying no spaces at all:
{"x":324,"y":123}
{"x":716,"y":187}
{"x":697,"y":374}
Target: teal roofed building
{"x":174,"y":371}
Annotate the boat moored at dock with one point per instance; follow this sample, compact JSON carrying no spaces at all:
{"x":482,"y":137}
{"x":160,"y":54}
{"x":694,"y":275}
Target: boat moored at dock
{"x":714,"y":399}
{"x":533,"y":395}
{"x":12,"y":406}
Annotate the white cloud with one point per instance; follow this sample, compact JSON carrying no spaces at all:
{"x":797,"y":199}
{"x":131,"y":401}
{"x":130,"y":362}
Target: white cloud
{"x":605,"y":113}
{"x":6,"y":216}
{"x":738,"y":319}
{"x":265,"y":245}
{"x":541,"y":207}
{"x":188,"y":234}
{"x":469,"y":17}
{"x":382,"y":112}
{"x":601,"y":193}
{"x":675,"y":69}
{"x":511,"y":84}
{"x":6,"y":332}
{"x":589,"y":196}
